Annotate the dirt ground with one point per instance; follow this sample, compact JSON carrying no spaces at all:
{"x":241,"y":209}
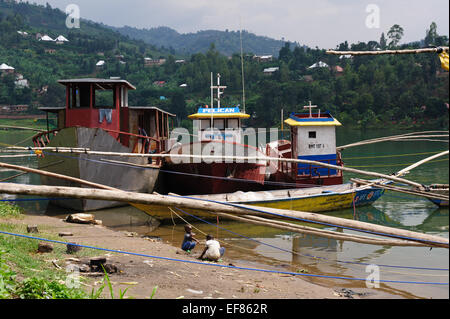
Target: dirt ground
{"x":176,"y":279}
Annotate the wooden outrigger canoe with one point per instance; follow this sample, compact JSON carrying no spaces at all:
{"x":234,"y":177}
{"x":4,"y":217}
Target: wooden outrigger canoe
{"x":438,"y":189}
{"x":311,"y":199}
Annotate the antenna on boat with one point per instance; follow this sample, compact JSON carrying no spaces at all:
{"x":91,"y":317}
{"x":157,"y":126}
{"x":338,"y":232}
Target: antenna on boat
{"x":242,"y":66}
{"x":212,"y":93}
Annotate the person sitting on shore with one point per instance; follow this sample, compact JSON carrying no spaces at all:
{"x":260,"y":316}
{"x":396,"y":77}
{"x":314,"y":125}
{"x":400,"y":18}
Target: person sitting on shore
{"x":212,"y":251}
{"x":189,"y":240}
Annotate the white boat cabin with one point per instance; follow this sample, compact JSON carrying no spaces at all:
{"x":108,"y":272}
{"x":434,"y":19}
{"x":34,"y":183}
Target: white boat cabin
{"x":313,"y":137}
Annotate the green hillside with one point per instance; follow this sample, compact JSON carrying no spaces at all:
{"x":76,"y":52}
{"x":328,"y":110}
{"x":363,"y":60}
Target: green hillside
{"x":226,"y":42}
{"x":406,"y":90}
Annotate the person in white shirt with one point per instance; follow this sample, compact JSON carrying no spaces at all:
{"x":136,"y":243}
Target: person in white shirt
{"x":212,"y":251}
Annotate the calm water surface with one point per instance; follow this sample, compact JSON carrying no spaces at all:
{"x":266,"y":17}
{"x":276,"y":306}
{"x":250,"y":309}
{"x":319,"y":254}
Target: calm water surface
{"x":263,"y":247}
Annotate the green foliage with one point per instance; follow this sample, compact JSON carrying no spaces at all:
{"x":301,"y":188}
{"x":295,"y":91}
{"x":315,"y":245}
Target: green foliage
{"x":7,"y":279}
{"x":371,"y":90}
{"x":9,"y":210}
{"x":39,"y":288}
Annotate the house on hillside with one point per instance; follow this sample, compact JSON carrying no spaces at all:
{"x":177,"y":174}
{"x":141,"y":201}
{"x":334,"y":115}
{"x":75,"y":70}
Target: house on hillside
{"x":263,"y":58}
{"x":61,"y":39}
{"x":11,"y":109}
{"x":20,"y":82}
{"x":270,"y":71}
{"x":46,"y":38}
{"x":6,"y":69}
{"x":338,"y":70}
{"x":100,"y":64}
{"x":150,"y":62}
{"x":159,"y":83}
{"x":319,"y":64}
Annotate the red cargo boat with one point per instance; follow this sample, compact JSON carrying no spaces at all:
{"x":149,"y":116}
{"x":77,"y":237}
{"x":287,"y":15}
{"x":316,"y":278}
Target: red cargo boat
{"x":97,"y":117}
{"x":218,"y":132}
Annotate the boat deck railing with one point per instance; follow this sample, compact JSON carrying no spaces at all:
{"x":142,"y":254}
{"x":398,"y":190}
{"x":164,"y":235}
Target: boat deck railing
{"x":143,"y":144}
{"x":311,"y":171}
{"x":43,"y":138}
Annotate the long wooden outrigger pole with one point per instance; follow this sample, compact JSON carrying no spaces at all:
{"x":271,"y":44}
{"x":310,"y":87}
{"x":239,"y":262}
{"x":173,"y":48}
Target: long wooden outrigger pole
{"x":214,"y":207}
{"x":382,"y":52}
{"x":243,"y":158}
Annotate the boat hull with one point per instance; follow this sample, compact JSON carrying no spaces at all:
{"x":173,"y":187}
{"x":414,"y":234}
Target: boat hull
{"x":314,"y":199}
{"x":92,"y":168}
{"x":440,"y":189}
{"x":191,"y":176}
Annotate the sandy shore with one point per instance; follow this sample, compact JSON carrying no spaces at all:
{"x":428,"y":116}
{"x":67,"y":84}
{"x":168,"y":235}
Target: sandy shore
{"x":177,"y":279}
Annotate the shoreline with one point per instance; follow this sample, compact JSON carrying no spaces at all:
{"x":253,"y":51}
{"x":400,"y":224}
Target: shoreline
{"x":179,"y":275}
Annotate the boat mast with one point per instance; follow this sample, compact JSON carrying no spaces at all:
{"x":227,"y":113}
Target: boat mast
{"x":242,"y":71}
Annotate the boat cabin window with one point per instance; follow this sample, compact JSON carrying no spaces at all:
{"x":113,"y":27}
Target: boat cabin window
{"x":104,"y":99}
{"x":219,"y":124}
{"x":79,"y":96}
{"x":205,"y":124}
{"x":233,"y":123}
{"x":312,"y":134}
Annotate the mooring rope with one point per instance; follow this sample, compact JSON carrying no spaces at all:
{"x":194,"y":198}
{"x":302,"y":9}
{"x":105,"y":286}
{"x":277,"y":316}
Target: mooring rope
{"x":311,"y":256}
{"x":220,"y":265}
{"x":392,"y":155}
{"x":182,"y":173}
{"x":306,"y":220}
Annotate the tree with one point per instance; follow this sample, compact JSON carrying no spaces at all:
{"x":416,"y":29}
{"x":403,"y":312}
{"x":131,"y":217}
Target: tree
{"x":395,"y":34}
{"x":285,"y":53}
{"x":431,"y":35}
{"x":383,"y":42}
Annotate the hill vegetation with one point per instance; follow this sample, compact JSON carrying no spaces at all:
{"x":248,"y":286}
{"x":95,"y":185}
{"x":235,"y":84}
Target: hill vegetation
{"x":361,"y":91}
{"x":226,"y":42}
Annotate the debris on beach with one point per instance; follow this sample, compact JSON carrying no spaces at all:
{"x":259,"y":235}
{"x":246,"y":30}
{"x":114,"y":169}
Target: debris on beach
{"x":82,"y":218}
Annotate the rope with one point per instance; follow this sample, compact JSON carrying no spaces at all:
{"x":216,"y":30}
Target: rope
{"x":221,"y":241}
{"x":181,"y":173}
{"x":394,"y":155}
{"x":219,"y":265}
{"x":389,"y":165}
{"x":307,"y":255}
{"x":310,"y":221}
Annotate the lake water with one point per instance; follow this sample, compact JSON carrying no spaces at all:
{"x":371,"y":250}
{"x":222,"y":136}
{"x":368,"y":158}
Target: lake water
{"x":402,"y":269}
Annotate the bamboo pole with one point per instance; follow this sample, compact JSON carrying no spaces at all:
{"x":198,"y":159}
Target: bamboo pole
{"x":403,"y":137}
{"x":406,"y":51}
{"x":213,"y":207}
{"x":21,"y":128}
{"x":25,"y":172}
{"x":54,"y":175}
{"x":253,"y":158}
{"x":401,"y":189}
{"x":407,"y":169}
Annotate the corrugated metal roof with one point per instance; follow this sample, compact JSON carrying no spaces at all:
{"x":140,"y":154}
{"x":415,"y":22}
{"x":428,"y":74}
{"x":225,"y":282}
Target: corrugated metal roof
{"x":99,"y":81}
{"x":150,"y":108}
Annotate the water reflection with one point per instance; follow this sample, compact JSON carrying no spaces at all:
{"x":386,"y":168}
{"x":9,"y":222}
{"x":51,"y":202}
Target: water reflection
{"x":266,"y":247}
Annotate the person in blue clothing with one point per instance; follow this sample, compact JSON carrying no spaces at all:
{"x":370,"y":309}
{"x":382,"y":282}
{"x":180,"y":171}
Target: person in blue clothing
{"x":189,"y":241}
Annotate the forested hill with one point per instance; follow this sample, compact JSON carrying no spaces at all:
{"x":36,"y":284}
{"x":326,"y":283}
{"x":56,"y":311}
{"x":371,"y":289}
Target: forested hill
{"x":226,"y":42}
{"x":410,"y":90}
